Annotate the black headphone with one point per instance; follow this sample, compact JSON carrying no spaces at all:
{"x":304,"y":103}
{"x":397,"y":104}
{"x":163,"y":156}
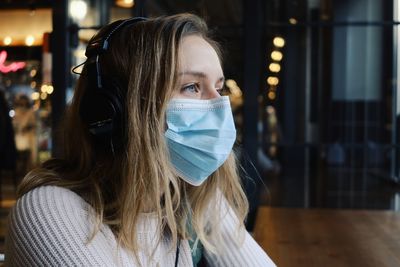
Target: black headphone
{"x":103,"y":102}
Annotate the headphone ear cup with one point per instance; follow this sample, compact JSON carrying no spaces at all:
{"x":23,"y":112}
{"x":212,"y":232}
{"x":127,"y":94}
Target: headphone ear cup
{"x":102,"y":110}
{"x":115,"y":96}
{"x":98,"y":113}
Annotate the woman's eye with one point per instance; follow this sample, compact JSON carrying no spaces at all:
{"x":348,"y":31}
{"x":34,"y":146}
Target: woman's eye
{"x":191,"y":88}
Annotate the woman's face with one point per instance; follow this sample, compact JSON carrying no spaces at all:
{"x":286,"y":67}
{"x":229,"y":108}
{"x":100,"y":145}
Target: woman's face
{"x":200,"y":72}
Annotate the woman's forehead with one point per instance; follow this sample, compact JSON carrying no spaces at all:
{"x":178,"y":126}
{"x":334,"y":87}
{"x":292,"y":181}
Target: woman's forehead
{"x":196,"y":55}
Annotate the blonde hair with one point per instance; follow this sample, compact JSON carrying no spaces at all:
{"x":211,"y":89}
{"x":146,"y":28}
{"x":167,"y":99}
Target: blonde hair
{"x":144,"y":57}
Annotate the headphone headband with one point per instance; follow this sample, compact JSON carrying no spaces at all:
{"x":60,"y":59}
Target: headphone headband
{"x":100,"y":45}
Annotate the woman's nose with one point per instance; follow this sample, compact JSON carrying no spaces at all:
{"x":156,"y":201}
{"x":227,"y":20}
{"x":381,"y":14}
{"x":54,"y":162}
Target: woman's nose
{"x":210,"y":93}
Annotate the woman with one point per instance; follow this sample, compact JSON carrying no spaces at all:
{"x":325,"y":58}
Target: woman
{"x":148,"y":177}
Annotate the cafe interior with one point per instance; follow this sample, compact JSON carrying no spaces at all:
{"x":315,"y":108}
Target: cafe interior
{"x":315,"y":93}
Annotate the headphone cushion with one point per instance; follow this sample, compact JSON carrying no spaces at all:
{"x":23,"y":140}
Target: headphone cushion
{"x":102,"y":109}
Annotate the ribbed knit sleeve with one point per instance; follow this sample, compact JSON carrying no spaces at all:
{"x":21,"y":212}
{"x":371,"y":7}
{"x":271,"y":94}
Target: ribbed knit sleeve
{"x":50,"y":226}
{"x":235,"y":253}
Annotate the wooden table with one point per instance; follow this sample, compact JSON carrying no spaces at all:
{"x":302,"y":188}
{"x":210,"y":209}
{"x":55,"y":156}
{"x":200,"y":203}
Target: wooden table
{"x":318,"y":237}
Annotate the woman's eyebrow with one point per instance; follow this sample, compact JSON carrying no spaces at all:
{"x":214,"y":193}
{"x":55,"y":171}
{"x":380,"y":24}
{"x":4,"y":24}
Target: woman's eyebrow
{"x":193,"y":73}
{"x":199,"y":74}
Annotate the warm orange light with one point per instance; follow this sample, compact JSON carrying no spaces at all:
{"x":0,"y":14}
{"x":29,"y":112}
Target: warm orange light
{"x":273,"y":80}
{"x":270,"y":110}
{"x":50,"y":89}
{"x":7,"y":40}
{"x":279,"y":42}
{"x":274,"y":67}
{"x":43,"y":95}
{"x":33,"y":73}
{"x":35,"y":96}
{"x":29,"y":40}
{"x":233,"y":87}
{"x":271,"y":95}
{"x":125,"y":3}
{"x":276,"y":55}
{"x":77,"y":9}
{"x":43,"y":88}
{"x":293,"y":21}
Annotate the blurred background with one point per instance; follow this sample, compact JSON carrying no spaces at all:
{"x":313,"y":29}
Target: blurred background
{"x":313,"y":84}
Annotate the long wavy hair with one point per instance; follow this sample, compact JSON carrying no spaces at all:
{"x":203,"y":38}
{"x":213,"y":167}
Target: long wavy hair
{"x":140,"y":178}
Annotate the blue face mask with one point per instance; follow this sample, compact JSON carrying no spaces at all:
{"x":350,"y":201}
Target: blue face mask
{"x":200,"y":136}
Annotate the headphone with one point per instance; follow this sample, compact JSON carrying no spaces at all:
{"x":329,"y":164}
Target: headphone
{"x":103,"y":102}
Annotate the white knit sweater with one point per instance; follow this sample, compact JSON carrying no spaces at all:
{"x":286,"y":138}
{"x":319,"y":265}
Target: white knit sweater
{"x":50,"y":226}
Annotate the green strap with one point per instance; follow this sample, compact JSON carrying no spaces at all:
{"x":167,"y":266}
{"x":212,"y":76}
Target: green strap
{"x":196,"y":247}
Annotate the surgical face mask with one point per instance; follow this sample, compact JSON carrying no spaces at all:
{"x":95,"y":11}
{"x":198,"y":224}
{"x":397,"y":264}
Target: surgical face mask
{"x":200,"y":136}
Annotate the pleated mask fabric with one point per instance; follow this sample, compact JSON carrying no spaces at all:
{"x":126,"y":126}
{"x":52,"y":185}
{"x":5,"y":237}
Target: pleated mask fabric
{"x":200,"y":136}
